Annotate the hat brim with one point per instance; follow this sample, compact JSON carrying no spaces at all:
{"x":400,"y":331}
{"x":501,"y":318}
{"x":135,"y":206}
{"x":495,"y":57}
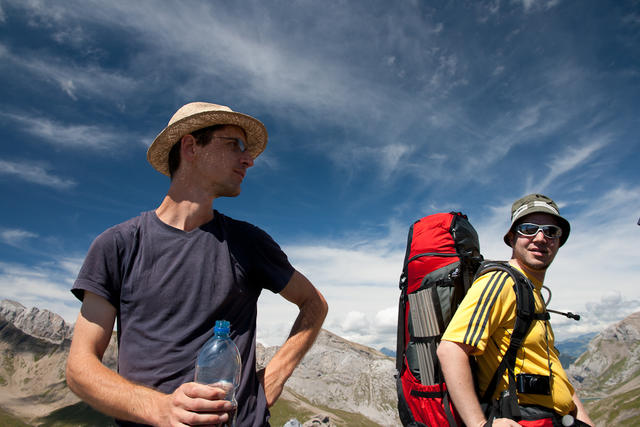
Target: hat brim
{"x":158,"y":152}
{"x":563,"y":223}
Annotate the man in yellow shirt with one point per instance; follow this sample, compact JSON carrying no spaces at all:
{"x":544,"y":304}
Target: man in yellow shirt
{"x":483,"y":324}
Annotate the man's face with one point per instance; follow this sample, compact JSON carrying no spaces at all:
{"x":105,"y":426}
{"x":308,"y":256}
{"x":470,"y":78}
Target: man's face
{"x":222,"y":164}
{"x":535,"y":253}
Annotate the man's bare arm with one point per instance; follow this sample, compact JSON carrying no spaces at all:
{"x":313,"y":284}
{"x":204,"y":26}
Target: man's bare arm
{"x":581,"y":413}
{"x":113,"y":395}
{"x":313,"y":310}
{"x":454,"y":361}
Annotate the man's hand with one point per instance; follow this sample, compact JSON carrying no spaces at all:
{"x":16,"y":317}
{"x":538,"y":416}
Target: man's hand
{"x":504,"y":422}
{"x":272,"y":384}
{"x":194,"y":404}
{"x":111,"y":394}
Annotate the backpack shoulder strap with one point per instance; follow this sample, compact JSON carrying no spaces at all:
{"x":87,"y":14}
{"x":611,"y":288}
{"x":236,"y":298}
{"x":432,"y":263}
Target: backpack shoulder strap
{"x":525,"y":315}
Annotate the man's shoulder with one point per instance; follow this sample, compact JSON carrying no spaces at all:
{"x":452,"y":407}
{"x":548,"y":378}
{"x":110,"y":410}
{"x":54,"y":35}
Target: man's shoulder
{"x":494,"y":269}
{"x":495,"y":278}
{"x":237,"y":225}
{"x":125,"y":229}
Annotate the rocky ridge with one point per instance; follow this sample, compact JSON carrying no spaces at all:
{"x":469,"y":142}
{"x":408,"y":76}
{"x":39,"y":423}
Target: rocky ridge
{"x":607,"y":375}
{"x":42,"y":324}
{"x":611,"y":360}
{"x":34,"y":345}
{"x":344,"y":375}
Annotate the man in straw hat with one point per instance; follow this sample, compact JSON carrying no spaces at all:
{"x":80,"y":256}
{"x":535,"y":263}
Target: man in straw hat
{"x":484,"y":323}
{"x":169,"y":274}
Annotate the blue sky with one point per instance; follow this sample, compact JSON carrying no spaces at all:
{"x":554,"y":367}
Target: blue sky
{"x":378,"y":113}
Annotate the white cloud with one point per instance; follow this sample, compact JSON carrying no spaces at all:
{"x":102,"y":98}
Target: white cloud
{"x":68,"y":135}
{"x":355,"y":322}
{"x":387,"y":319}
{"x":527,"y":118}
{"x":42,"y":285}
{"x":530,"y":5}
{"x":14,"y":237}
{"x":370,"y":263}
{"x":359,"y":280}
{"x":76,"y":81}
{"x":34,"y":173}
{"x":571,"y":158}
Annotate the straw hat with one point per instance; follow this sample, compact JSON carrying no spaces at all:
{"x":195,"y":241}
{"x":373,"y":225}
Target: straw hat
{"x":198,"y":115}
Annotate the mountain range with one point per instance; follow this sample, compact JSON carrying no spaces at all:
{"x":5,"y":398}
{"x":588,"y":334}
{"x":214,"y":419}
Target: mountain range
{"x":338,"y":383}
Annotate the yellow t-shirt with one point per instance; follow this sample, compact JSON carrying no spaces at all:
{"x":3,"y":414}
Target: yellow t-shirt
{"x":485,"y":320}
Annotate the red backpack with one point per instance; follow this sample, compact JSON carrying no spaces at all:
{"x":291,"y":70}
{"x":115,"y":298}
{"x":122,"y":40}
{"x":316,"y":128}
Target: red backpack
{"x":441,"y":261}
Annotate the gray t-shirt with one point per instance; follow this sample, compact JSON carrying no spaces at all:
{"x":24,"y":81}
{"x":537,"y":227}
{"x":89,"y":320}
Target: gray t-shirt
{"x":170,"y":286}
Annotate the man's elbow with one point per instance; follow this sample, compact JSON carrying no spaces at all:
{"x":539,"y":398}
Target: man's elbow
{"x":324,"y":306}
{"x":72,"y":375}
{"x":320,"y":307}
{"x":443,"y":351}
{"x":449,"y":351}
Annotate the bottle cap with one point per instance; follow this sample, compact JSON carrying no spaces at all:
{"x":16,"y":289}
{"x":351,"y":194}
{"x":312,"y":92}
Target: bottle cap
{"x":222,"y":327}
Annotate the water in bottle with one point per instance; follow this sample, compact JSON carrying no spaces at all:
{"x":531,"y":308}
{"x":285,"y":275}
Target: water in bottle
{"x":219,"y":364}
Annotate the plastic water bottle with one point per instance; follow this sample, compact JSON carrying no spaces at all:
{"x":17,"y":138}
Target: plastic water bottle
{"x":219,"y":364}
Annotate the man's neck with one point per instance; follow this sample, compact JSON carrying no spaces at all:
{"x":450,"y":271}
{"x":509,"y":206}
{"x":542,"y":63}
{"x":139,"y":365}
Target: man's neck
{"x":185,"y":210}
{"x":536,"y":274}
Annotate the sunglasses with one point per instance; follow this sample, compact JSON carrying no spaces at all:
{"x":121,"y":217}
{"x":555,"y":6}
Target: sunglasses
{"x":530,"y":230}
{"x":238,"y":144}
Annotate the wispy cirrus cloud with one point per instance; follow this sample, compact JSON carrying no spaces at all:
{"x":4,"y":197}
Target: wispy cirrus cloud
{"x":535,"y":5}
{"x":569,"y":159}
{"x":14,"y":236}
{"x":35,"y":173}
{"x":76,"y":81}
{"x":67,"y":135}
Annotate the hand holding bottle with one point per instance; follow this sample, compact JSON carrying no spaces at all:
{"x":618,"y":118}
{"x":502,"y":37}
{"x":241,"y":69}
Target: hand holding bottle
{"x":219,"y":365}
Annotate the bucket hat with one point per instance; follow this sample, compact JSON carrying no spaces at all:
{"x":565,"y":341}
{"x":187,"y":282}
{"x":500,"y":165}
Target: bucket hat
{"x":198,"y":115}
{"x":533,"y":203}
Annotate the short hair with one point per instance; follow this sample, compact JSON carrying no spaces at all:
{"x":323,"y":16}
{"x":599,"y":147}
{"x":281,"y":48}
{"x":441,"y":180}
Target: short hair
{"x":202,"y":136}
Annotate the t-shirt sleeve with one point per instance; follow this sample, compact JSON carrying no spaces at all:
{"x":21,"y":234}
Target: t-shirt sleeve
{"x":488,"y":305}
{"x":270,"y":267}
{"x":100,"y":272}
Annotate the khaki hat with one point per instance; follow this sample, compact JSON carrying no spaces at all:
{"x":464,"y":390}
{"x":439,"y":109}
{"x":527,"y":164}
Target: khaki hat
{"x":537,"y":203}
{"x":198,"y":115}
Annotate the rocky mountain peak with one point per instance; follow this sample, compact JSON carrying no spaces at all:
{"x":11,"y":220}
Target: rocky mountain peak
{"x":42,"y":324}
{"x":627,"y":330}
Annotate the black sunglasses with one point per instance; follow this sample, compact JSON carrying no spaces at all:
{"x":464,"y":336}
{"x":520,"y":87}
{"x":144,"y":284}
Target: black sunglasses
{"x":530,"y":230}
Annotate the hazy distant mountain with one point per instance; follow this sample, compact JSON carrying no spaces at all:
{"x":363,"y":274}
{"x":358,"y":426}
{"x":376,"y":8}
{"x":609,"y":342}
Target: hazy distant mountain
{"x":570,"y":349}
{"x":388,"y":352}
